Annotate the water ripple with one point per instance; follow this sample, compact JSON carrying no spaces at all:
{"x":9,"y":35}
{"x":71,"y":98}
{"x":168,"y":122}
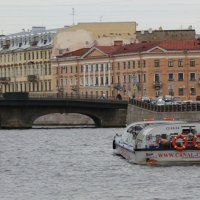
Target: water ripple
{"x":79,"y":164}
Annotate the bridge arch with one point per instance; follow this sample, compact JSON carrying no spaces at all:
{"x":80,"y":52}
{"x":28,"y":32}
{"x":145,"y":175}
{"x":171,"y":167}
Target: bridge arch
{"x":71,"y":119}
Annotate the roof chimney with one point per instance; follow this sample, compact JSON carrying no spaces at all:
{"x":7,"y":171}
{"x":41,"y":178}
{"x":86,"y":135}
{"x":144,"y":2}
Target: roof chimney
{"x":118,"y":43}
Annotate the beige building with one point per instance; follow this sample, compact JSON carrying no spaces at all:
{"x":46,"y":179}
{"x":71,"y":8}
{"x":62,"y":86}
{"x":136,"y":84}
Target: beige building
{"x":152,"y":69}
{"x":159,"y":35}
{"x":86,"y":35}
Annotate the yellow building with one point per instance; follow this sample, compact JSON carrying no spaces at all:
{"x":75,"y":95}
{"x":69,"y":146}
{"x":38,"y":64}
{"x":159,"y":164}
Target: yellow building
{"x":152,"y":69}
{"x":25,"y":61}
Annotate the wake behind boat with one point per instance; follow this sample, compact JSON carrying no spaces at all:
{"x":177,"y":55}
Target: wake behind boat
{"x":159,"y":142}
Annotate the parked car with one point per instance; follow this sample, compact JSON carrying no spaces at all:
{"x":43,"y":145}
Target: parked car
{"x":160,"y":102}
{"x":168,"y":99}
{"x":145,"y":99}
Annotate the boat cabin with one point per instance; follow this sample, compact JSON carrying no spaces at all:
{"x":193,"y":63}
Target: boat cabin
{"x":172,"y":136}
{"x":132,"y":130}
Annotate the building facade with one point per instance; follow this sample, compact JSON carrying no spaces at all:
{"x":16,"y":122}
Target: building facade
{"x":25,"y":57}
{"x":159,"y":35}
{"x":25,"y":61}
{"x":152,"y":69}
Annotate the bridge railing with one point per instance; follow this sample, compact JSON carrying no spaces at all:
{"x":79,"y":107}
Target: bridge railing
{"x":58,"y":96}
{"x":195,"y":106}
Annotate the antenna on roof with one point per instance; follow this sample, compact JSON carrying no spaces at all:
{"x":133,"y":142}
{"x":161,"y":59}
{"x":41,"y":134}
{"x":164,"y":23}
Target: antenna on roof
{"x":73,"y":13}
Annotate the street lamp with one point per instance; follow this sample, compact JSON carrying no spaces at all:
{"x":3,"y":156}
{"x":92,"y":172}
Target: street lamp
{"x":59,"y":87}
{"x":171,"y":92}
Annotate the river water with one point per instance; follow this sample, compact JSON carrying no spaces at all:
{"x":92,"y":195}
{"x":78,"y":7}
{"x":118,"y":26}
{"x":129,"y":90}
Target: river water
{"x":79,"y":164}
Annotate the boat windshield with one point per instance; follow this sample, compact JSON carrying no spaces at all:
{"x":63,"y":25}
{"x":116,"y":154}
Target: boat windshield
{"x":144,"y":132}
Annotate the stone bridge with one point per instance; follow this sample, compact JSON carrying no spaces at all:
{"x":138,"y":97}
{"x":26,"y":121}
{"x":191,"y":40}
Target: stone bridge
{"x":21,"y":113}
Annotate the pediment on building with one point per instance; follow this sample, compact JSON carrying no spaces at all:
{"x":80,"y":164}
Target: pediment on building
{"x":157,"y":49}
{"x":94,"y":52}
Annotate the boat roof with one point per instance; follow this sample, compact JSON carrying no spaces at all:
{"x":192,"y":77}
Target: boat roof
{"x":151,"y":122}
{"x":169,"y":128}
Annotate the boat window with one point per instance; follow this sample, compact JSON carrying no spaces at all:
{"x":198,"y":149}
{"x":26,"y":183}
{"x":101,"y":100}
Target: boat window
{"x":185,"y":131}
{"x":163,"y":136}
{"x":131,"y":129}
{"x":138,"y":128}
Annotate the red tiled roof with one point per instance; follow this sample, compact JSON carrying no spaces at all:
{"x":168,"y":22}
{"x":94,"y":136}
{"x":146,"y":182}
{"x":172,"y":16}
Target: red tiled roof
{"x":141,"y":47}
{"x":78,"y":52}
{"x":165,"y":44}
{"x":108,"y":49}
{"x":180,"y":44}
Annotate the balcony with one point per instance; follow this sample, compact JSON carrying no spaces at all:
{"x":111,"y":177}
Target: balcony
{"x":32,"y":78}
{"x":118,"y":86}
{"x":157,"y":84}
{"x":4,"y":80}
{"x":74,"y":88}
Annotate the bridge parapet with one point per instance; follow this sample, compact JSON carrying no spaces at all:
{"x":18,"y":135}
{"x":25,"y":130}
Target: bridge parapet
{"x":192,"y":106}
{"x":21,"y":113}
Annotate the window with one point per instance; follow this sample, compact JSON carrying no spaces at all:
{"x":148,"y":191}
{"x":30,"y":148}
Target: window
{"x":133,"y":64}
{"x":170,"y":63}
{"x":156,"y":63}
{"x":180,"y":76}
{"x":180,"y":63}
{"x":144,"y":78}
{"x":106,"y":80}
{"x":106,"y":67}
{"x":139,"y":78}
{"x":192,"y":63}
{"x":138,"y":63}
{"x":144,"y":63}
{"x":101,"y":67}
{"x":124,"y":65}
{"x":170,"y":77}
{"x":96,"y":81}
{"x":124,"y":78}
{"x":192,"y":76}
{"x":157,"y":78}
{"x":86,"y":81}
{"x":91,"y":80}
{"x":193,"y":91}
{"x":181,"y":91}
{"x":102,"y":80}
{"x":129,"y":64}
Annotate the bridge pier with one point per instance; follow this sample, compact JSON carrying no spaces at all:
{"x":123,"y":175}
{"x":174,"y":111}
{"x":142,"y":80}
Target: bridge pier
{"x":14,"y":119}
{"x":116,"y":118}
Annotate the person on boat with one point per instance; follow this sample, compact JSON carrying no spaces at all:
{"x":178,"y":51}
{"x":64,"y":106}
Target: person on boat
{"x":162,"y":141}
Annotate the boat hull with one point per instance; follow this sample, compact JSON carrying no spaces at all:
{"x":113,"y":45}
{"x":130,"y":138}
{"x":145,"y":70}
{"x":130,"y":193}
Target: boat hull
{"x":159,"y":157}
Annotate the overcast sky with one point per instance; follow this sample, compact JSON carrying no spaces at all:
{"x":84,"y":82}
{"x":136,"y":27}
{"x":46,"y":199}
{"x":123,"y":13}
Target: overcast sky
{"x":16,"y":15}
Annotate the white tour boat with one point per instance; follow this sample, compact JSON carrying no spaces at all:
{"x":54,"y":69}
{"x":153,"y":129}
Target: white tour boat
{"x":160,"y":142}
